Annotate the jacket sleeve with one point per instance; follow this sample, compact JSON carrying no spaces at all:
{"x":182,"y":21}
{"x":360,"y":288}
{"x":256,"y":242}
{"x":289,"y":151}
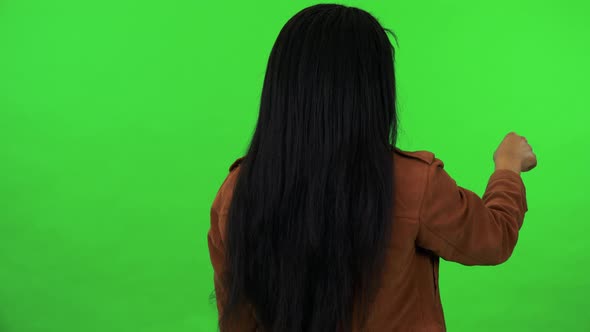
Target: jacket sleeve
{"x":458,"y":225}
{"x":244,"y":319}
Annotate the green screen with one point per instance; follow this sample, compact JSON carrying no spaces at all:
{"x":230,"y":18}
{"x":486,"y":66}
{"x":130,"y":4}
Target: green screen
{"x":119,"y":120}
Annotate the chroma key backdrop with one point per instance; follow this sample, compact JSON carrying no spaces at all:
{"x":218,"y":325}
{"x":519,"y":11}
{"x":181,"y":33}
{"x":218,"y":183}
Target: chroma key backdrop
{"x":119,"y":120}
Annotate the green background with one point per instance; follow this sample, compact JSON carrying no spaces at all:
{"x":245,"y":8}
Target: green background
{"x":119,"y":119}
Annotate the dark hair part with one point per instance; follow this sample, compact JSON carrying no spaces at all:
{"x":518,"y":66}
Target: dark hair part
{"x":311,"y":213}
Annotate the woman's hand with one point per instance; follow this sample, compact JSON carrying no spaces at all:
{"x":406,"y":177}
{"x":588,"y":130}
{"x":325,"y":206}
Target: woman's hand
{"x":515,"y":154}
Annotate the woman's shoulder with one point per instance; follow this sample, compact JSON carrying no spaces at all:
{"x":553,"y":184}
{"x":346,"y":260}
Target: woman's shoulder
{"x":421,"y":155}
{"x":236,"y":163}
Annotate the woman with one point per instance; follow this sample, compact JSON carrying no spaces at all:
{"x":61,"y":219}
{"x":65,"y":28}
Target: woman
{"x":325,"y":225}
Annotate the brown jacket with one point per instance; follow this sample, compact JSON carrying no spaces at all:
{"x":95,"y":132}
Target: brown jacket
{"x":433,"y":218}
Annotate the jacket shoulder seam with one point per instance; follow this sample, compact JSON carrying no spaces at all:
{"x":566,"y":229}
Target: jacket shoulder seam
{"x":236,"y":163}
{"x":423,"y":155}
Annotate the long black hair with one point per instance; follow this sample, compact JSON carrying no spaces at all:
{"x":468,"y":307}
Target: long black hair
{"x":311,"y":213}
